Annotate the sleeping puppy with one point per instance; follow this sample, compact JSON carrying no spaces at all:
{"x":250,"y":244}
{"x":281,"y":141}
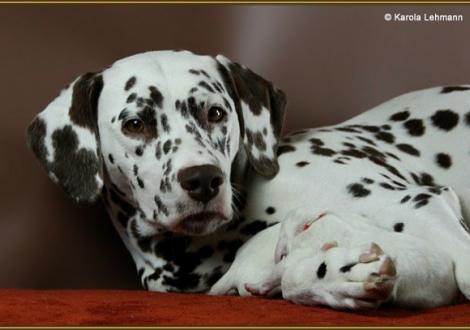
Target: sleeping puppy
{"x":315,"y":254}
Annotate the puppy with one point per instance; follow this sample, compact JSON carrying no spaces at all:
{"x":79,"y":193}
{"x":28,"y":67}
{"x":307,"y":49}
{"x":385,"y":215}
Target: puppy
{"x":315,"y":254}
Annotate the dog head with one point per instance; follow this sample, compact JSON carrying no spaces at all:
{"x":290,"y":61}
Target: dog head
{"x":163,"y":129}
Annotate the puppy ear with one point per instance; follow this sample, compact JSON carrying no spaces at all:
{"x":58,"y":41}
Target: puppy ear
{"x":64,"y":138}
{"x":260,"y":108}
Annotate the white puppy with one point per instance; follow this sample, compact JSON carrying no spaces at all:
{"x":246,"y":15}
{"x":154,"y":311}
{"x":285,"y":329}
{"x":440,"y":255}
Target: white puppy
{"x":315,"y":254}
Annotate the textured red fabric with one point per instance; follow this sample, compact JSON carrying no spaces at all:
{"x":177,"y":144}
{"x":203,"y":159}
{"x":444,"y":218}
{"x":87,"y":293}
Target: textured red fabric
{"x":79,"y":307}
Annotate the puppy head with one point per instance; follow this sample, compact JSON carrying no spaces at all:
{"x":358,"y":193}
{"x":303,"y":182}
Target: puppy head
{"x":162,"y":130}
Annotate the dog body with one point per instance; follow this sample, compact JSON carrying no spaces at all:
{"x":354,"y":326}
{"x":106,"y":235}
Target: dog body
{"x":308,"y":269}
{"x":171,"y":139}
{"x":389,"y":165}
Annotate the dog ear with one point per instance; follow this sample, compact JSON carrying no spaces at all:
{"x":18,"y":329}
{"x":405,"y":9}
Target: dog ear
{"x":260,"y":108}
{"x":64,"y":137}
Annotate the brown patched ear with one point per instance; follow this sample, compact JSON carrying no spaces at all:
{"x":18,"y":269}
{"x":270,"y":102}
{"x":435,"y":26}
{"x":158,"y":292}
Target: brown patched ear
{"x":64,"y":138}
{"x":261,"y":108}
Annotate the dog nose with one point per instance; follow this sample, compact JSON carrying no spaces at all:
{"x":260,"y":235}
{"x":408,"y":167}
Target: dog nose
{"x":201,"y":182}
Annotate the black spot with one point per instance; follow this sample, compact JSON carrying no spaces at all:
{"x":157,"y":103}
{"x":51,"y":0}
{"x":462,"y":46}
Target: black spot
{"x":253,"y":227}
{"x":426,"y":179}
{"x":323,"y":151}
{"x":316,"y":141}
{"x":443,"y":160}
{"x":156,"y":96}
{"x":167,"y":146}
{"x":369,"y":128}
{"x":217,"y":87}
{"x":366,"y":140}
{"x":435,"y":190}
{"x":140,"y":182}
{"x":195,"y":72}
{"x":421,"y":197}
{"x":164,"y":121}
{"x":408,"y":149}
{"x":113,"y":119}
{"x":270,"y":210}
{"x":450,"y":89}
{"x":392,"y":155}
{"x":139,"y":151}
{"x":155,"y":276}
{"x":387,"y":186}
{"x":321,"y":271}
{"x":467,"y":118}
{"x":347,"y":129}
{"x":161,"y":207}
{"x":400,"y":116}
{"x":405,"y":199}
{"x":367,"y":180}
{"x":421,"y":203}
{"x":386,"y":127}
{"x":84,"y":108}
{"x":257,"y":140}
{"x":204,"y":73}
{"x":302,"y":163}
{"x":398,"y":227}
{"x":390,"y":168}
{"x":130,"y":83}
{"x":358,"y":190}
{"x":445,"y":119}
{"x":206,"y":86}
{"x":75,"y":169}
{"x":415,"y":127}
{"x":385,"y":136}
{"x":372,"y":152}
{"x":347,"y":268}
{"x":354,"y":153}
{"x":111,"y":158}
{"x":284,"y":149}
{"x":131,"y":98}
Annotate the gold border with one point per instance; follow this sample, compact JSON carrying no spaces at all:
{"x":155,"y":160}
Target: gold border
{"x":240,"y":2}
{"x":231,"y":327}
{"x":236,"y":2}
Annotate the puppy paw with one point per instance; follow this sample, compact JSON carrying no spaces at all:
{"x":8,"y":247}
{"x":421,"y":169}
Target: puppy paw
{"x":257,"y":290}
{"x":348,"y":278}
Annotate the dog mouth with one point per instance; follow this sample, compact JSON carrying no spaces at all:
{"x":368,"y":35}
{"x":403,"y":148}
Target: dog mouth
{"x":201,"y":223}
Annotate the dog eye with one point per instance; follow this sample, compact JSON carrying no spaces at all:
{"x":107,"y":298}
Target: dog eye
{"x":134,"y":126}
{"x":216,"y":114}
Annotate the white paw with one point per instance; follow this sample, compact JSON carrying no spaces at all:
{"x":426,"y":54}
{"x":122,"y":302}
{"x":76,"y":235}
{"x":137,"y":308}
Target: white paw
{"x":344,"y":278}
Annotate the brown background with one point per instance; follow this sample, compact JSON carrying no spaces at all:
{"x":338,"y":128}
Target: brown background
{"x":332,"y":61}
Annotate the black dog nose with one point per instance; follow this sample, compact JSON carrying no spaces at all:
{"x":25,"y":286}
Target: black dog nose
{"x":201,"y":182}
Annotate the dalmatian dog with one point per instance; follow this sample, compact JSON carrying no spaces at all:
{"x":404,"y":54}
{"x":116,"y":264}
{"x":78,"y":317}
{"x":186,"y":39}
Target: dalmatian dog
{"x":309,"y":267}
{"x":186,"y":153}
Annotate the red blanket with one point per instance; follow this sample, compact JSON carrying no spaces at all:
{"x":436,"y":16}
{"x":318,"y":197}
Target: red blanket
{"x":78,"y":307}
